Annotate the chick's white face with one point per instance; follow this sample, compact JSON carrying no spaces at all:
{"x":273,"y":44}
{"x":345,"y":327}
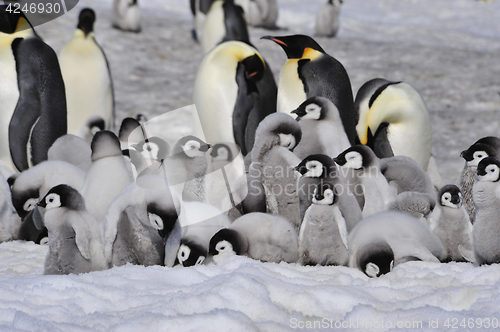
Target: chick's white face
{"x":478,"y":156}
{"x":313,"y":112}
{"x":327,"y":200}
{"x":183,"y":253}
{"x":354,"y":160}
{"x":287,"y":141}
{"x":155,"y":221}
{"x":192,"y":149}
{"x":52,"y":201}
{"x":446,"y":200}
{"x":222,"y":154}
{"x":492,"y":173}
{"x":150,"y":150}
{"x":224,"y":248}
{"x":314,"y":169}
{"x":30,"y":204}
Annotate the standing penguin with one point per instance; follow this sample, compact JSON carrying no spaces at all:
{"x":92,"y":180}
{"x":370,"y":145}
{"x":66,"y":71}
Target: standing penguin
{"x":309,"y":72}
{"x":393,"y":120}
{"x":126,"y":15}
{"x":75,"y":240}
{"x":87,"y":77}
{"x":322,"y":128}
{"x":32,"y":101}
{"x":451,"y":223}
{"x":327,"y":19}
{"x":323,"y":233}
{"x":365,"y":165}
{"x":486,"y":228}
{"x":200,"y":9}
{"x":234,"y":90}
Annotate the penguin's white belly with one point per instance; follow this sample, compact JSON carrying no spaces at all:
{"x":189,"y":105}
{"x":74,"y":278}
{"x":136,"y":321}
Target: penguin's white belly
{"x":411,"y":141}
{"x":291,"y":89}
{"x":214,"y":29}
{"x":87,"y":82}
{"x":9,"y":95}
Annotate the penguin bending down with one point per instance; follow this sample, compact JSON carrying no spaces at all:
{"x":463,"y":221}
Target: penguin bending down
{"x":322,"y":128}
{"x":393,"y":120}
{"x":126,"y":15}
{"x":451,"y":223}
{"x":327,"y":19}
{"x":405,"y":174}
{"x":416,"y":204}
{"x":234,"y":90}
{"x":308,"y":72}
{"x":384,"y":240}
{"x":87,"y":77}
{"x":75,"y":240}
{"x":261,"y":236}
{"x":32,"y":101}
{"x":323,"y":233}
{"x":486,"y":228}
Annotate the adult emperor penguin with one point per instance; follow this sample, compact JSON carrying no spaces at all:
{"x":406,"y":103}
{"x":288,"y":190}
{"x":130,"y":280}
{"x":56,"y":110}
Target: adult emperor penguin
{"x":450,"y":222}
{"x":473,"y":155}
{"x":10,"y":221}
{"x":75,"y":239}
{"x":365,"y":167}
{"x":327,"y":19}
{"x":323,"y":233}
{"x":486,"y":194}
{"x":393,"y":120}
{"x":200,"y":9}
{"x":109,"y":174}
{"x":309,"y":72}
{"x":322,"y":128}
{"x":272,"y":182}
{"x":224,"y":21}
{"x":384,"y":240}
{"x":126,"y":15}
{"x":319,"y":168}
{"x":87,"y":77}
{"x":261,"y":13}
{"x":261,"y":236}
{"x":32,"y":101}
{"x":234,"y":90}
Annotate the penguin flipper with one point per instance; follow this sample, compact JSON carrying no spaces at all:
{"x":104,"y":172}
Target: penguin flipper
{"x":380,"y":143}
{"x":243,"y":107}
{"x":467,"y":254}
{"x":172,"y":245}
{"x":341,"y":224}
{"x":407,"y":249}
{"x":82,"y":235}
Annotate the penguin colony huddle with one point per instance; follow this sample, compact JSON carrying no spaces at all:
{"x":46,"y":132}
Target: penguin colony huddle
{"x":327,"y":179}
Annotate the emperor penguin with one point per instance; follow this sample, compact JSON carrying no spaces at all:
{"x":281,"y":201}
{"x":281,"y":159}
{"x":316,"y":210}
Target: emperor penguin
{"x":126,"y":15}
{"x":127,"y":134}
{"x":234,"y":90}
{"x":472,"y":156}
{"x":314,"y":170}
{"x":261,"y":236}
{"x":75,"y":238}
{"x":142,"y":225}
{"x":327,"y":19}
{"x":33,"y":101}
{"x":384,"y":240}
{"x":451,"y":223}
{"x":365,"y":167}
{"x":109,"y":174}
{"x":224,"y":21}
{"x":272,"y":182}
{"x":200,"y":9}
{"x":153,"y":149}
{"x":322,"y":128}
{"x":486,"y":228}
{"x":393,"y":120}
{"x":87,"y":77}
{"x":323,"y":233}
{"x":261,"y":13}
{"x":71,"y":149}
{"x":405,"y":174}
{"x":310,"y":71}
{"x":416,"y":204}
{"x":10,"y":222}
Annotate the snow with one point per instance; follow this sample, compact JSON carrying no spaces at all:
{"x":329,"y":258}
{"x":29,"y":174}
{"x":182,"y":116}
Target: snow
{"x":447,"y":50}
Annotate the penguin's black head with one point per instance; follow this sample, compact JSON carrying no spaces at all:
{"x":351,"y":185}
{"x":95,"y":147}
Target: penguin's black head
{"x":190,"y":146}
{"x":12,"y":20}
{"x":312,"y":108}
{"x":450,"y":195}
{"x":154,"y":148}
{"x":162,"y":219}
{"x":221,"y":151}
{"x":105,"y":144}
{"x":24,"y":201}
{"x":224,"y":241}
{"x":325,"y":194}
{"x":489,"y":169}
{"x":317,"y":166}
{"x":357,"y":157}
{"x":86,"y":21}
{"x":128,"y":125}
{"x":254,"y":67}
{"x":63,"y":196}
{"x":375,"y":259}
{"x":295,"y":45}
{"x":191,"y":253}
{"x":477,"y":152}
{"x":490,"y":140}
{"x":287,"y":129}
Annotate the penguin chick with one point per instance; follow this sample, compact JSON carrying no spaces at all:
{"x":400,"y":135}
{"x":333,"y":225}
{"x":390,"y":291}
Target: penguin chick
{"x":261,"y":236}
{"x":472,"y":156}
{"x":127,"y":134}
{"x":416,"y":204}
{"x":93,"y":124}
{"x":451,"y":223}
{"x":322,"y":128}
{"x":486,"y":228}
{"x":365,"y":167}
{"x":405,"y":174}
{"x":384,"y":240}
{"x":71,"y":149}
{"x":323,"y":233}
{"x":327,"y":19}
{"x":126,"y":15}
{"x":75,"y":242}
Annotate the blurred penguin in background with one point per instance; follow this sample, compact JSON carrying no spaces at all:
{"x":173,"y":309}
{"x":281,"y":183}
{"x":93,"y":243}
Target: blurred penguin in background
{"x":126,"y":15}
{"x":261,"y":13}
{"x":327,"y":19}
{"x":87,"y":77}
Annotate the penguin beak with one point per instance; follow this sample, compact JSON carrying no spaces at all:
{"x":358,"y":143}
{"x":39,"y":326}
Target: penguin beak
{"x":276,"y":40}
